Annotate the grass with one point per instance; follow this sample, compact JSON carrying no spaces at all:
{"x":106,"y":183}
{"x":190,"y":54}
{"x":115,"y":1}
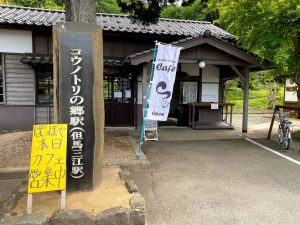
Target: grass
{"x":296,"y":134}
{"x":258,"y":99}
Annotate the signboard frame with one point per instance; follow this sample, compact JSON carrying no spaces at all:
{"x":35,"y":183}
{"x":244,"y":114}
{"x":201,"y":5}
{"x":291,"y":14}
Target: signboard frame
{"x":48,"y":166}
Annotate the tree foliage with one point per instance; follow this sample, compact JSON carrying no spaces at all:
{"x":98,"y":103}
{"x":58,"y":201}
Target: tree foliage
{"x":269,"y":28}
{"x":147,"y":11}
{"x":4,"y":2}
{"x":48,"y":4}
{"x":191,"y":10}
{"x":107,"y":6}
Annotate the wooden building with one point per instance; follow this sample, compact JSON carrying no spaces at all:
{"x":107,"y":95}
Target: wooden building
{"x":26,"y":65}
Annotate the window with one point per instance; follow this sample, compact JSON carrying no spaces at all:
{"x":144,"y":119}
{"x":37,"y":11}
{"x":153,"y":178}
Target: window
{"x":117,"y":89}
{"x":44,"y":87}
{"x":1,"y":80}
{"x":107,"y":88}
{"x":188,"y":92}
{"x":210,"y":84}
{"x":122,"y":90}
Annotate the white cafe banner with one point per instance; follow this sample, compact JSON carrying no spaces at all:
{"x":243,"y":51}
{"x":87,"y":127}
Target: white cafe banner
{"x":163,"y":81}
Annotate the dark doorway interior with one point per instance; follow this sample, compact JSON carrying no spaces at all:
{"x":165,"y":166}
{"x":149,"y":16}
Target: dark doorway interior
{"x":118,"y":98}
{"x":184,"y":92}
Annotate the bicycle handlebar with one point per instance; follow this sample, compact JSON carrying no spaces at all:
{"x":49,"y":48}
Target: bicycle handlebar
{"x":285,"y":114}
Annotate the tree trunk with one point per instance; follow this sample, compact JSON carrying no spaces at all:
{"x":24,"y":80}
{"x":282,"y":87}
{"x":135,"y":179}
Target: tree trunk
{"x":273,"y":90}
{"x":81,"y":11}
{"x":297,"y":81}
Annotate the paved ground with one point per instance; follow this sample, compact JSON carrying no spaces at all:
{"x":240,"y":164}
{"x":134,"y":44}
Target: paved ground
{"x":218,"y":182}
{"x":217,"y":177}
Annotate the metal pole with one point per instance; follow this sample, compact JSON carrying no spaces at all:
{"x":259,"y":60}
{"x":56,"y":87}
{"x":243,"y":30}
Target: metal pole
{"x":146,"y":103}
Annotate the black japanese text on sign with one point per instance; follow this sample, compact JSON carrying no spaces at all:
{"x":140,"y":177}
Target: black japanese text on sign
{"x":48,"y":158}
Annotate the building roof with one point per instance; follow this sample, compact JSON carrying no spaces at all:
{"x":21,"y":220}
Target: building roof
{"x":206,"y":38}
{"x":111,"y":22}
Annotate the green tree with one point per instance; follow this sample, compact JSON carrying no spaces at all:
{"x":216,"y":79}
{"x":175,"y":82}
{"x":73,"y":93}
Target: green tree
{"x":49,"y":4}
{"x":4,"y":2}
{"x":147,"y":11}
{"x":107,"y":6}
{"x":104,"y":6}
{"x":268,"y":28}
{"x":191,"y":10}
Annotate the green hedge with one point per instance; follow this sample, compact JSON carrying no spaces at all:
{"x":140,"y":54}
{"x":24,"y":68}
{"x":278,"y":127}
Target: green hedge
{"x":257,"y":99}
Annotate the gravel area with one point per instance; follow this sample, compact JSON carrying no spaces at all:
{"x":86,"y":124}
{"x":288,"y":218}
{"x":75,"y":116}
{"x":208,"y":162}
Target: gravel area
{"x":15,"y":149}
{"x":15,"y":146}
{"x":117,"y":148}
{"x":253,"y":119}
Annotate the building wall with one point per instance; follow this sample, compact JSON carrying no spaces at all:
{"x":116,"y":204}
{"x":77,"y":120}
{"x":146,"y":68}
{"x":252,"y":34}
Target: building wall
{"x":44,"y":114}
{"x":19,"y":80}
{"x":15,"y":41}
{"x":16,"y":117}
{"x":290,"y":93}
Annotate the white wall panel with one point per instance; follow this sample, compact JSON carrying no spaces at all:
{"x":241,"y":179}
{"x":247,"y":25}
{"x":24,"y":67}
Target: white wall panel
{"x":290,"y":91}
{"x":211,"y":74}
{"x":15,"y":41}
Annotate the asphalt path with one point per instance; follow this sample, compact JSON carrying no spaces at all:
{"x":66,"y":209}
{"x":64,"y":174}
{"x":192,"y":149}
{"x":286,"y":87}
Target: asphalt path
{"x":228,"y":181}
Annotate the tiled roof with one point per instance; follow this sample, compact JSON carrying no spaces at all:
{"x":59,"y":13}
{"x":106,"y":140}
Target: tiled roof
{"x":188,"y":42}
{"x":175,"y":43}
{"x":111,"y":22}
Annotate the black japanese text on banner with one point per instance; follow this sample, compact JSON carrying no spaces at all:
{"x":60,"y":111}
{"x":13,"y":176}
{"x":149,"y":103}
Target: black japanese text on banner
{"x":163,"y":82}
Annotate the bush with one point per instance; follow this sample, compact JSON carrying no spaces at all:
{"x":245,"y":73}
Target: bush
{"x":258,"y":99}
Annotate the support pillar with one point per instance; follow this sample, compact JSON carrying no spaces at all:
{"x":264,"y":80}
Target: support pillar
{"x":145,"y":84}
{"x":245,"y":73}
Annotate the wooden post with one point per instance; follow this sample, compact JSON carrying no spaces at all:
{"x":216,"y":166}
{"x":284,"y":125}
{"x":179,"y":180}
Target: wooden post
{"x":246,"y":100}
{"x":63,"y":199}
{"x":29,"y":204}
{"x":145,"y":84}
{"x":190,"y":115}
{"x":272,"y":122}
{"x":231,"y":107}
{"x":193,"y":115}
{"x":226,"y":112}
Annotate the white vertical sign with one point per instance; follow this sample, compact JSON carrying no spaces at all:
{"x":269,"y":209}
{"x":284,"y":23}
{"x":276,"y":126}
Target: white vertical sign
{"x":163,"y":82}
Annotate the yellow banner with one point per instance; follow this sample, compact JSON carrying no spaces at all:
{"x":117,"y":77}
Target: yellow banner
{"x":48,"y":158}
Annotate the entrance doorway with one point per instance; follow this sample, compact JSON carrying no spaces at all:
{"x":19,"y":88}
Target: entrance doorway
{"x":184,"y":92}
{"x":118,"y":98}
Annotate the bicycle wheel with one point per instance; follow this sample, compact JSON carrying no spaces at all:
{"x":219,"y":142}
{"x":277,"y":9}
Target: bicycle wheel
{"x":280,"y":134}
{"x":287,"y":140}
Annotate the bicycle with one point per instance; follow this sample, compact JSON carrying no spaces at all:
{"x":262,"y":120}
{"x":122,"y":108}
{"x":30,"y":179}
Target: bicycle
{"x":284,"y":129}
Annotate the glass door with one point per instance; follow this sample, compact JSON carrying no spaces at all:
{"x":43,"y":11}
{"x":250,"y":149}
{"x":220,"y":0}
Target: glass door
{"x":118,"y":99}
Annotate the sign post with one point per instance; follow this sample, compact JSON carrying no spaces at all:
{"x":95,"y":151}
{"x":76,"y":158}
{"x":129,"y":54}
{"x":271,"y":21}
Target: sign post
{"x":78,"y":100}
{"x":160,"y":88}
{"x":48,"y":161}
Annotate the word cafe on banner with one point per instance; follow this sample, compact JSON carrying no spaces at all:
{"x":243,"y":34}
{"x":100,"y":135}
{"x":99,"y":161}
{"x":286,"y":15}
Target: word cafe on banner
{"x":76,"y":132}
{"x":160,"y":89}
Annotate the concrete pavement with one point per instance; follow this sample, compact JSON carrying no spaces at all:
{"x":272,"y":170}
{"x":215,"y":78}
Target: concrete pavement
{"x":225,"y":181}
